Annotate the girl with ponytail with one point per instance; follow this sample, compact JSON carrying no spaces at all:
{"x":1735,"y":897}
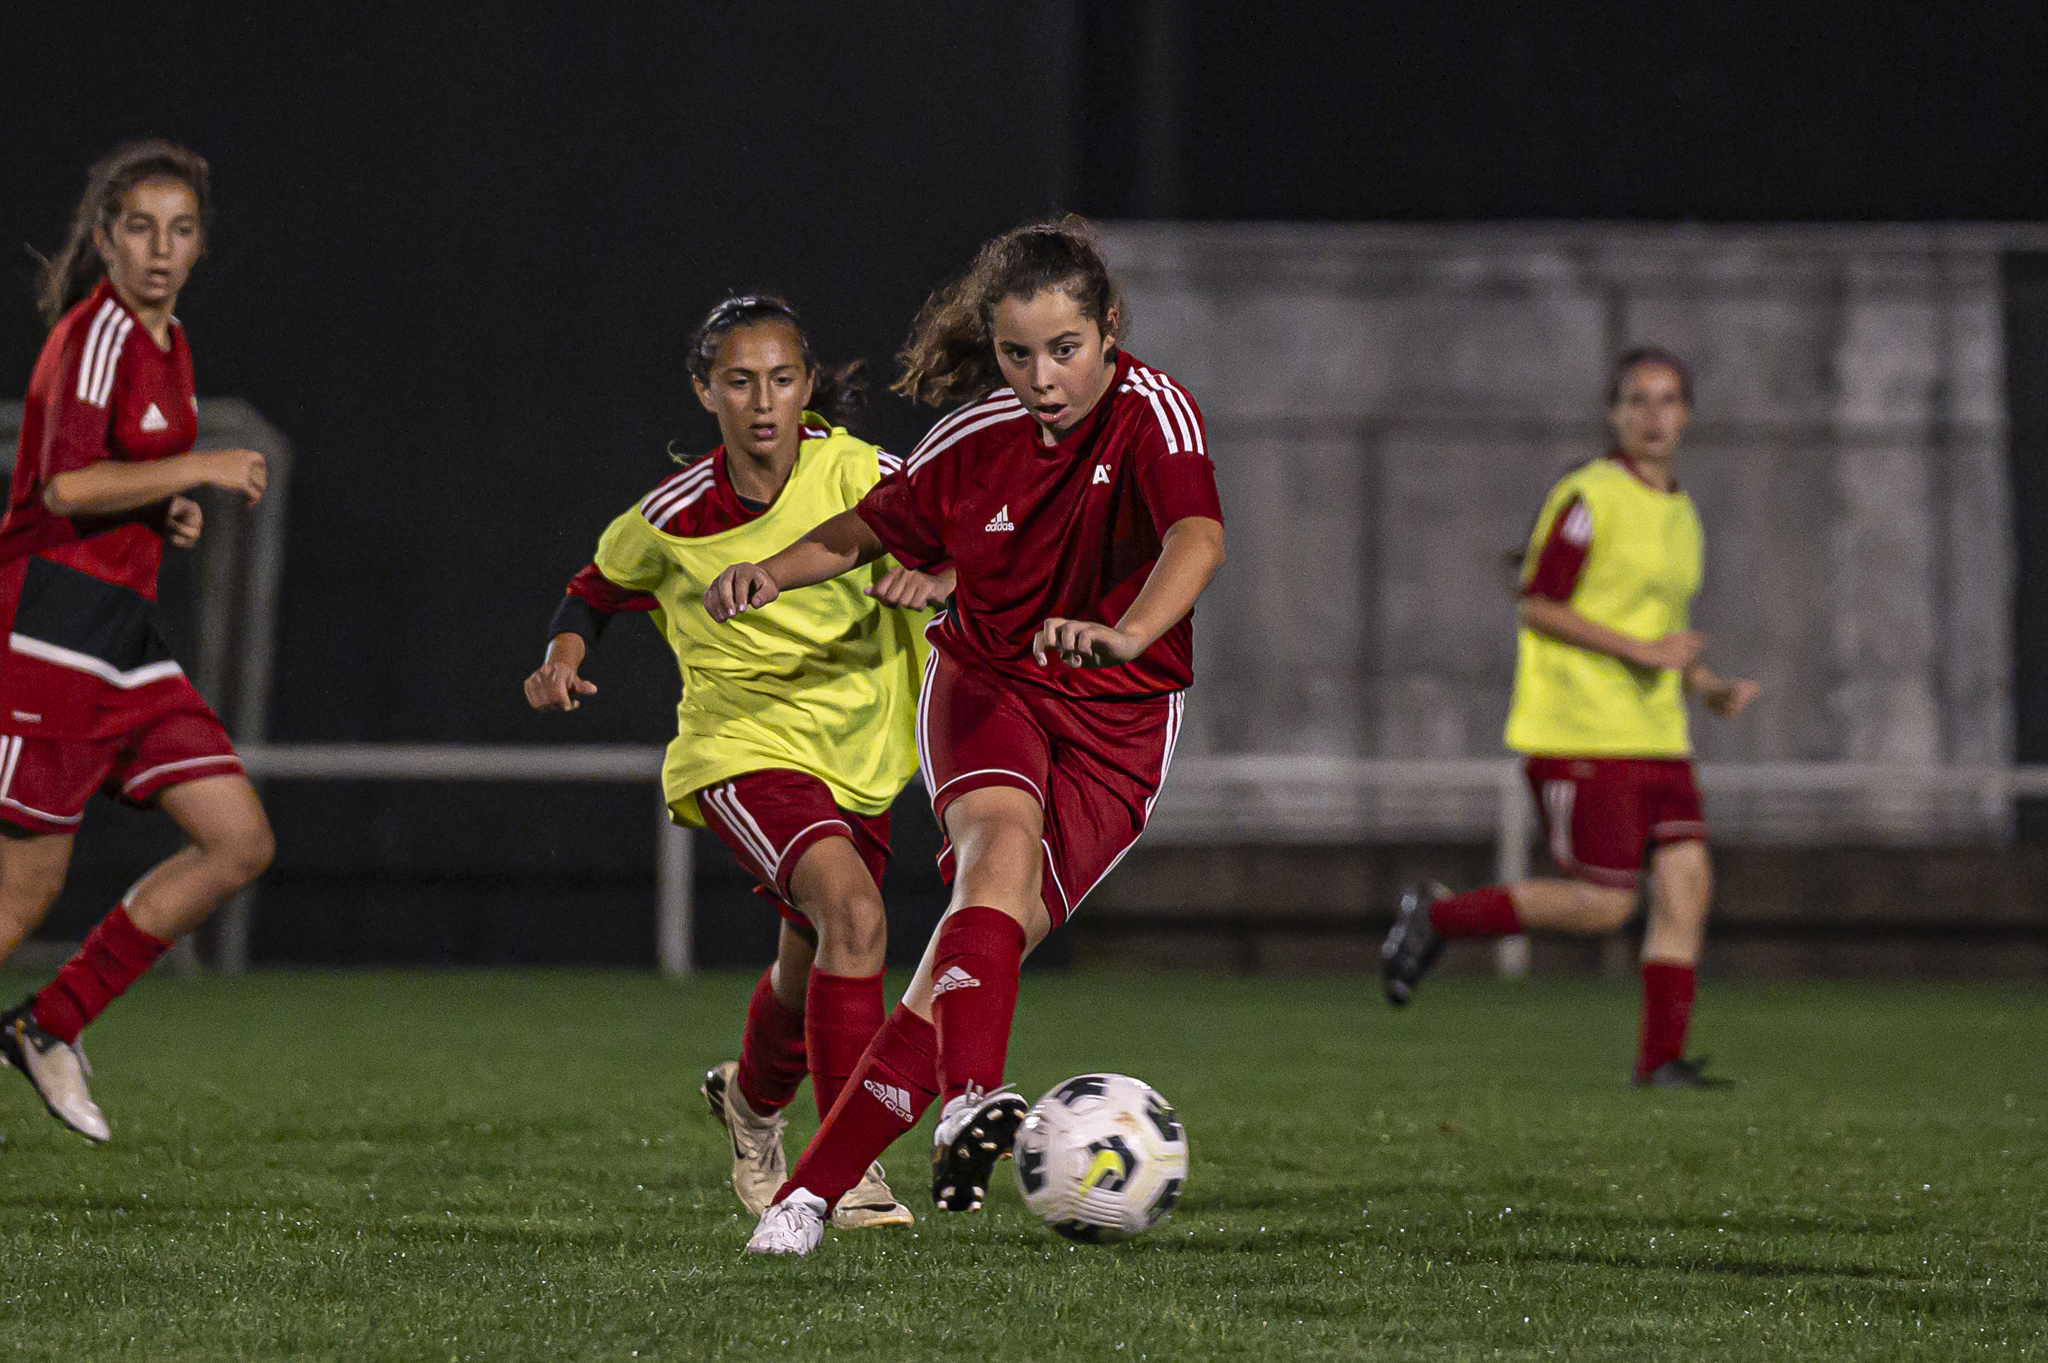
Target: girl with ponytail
{"x":1071,"y":486}
{"x":794,"y":733}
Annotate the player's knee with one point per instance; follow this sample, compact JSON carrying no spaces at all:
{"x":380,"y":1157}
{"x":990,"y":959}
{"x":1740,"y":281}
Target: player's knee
{"x":1685,"y":879}
{"x":246,"y":851}
{"x":1009,"y":844}
{"x":853,"y":920}
{"x":27,"y":899}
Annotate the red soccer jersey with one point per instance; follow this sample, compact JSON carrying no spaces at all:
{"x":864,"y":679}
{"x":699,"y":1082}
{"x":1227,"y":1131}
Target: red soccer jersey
{"x":76,"y":592}
{"x":1069,"y":530}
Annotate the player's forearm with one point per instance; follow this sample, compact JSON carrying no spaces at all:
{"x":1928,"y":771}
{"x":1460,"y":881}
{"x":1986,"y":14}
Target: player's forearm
{"x":1190,"y":554}
{"x":1703,"y":682}
{"x":110,"y":486}
{"x":838,"y":546}
{"x":1567,"y":626}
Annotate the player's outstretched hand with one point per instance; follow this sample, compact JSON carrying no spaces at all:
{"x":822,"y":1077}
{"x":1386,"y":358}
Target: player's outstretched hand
{"x":182,"y":522}
{"x":555,"y":686}
{"x":1083,"y":643}
{"x":744,"y":586}
{"x":243,"y":471}
{"x":1673,"y":652}
{"x":1732,"y":697}
{"x":912,"y":590}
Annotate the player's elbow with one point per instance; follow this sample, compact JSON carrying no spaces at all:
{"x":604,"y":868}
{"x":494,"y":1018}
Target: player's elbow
{"x":57,"y":497}
{"x":1204,"y":535}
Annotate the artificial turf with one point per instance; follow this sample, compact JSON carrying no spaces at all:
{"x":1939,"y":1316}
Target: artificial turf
{"x":517,"y":1166}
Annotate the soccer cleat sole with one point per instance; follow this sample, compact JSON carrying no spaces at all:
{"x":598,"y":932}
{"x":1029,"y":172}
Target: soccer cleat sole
{"x":961,"y":1169}
{"x":1412,"y":946}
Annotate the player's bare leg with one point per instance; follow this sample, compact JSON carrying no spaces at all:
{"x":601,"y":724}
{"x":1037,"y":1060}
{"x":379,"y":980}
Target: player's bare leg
{"x":967,"y":984}
{"x":1681,"y":888}
{"x":231,"y":845}
{"x":1429,"y":915}
{"x":32,"y":870}
{"x":999,"y":861}
{"x":1572,"y":906}
{"x":826,"y":983}
{"x":843,"y":1001}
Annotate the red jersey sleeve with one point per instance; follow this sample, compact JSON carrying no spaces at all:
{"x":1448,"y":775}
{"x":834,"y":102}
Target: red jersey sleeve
{"x":903,"y":512}
{"x":1563,"y":556}
{"x":76,"y":410}
{"x":606,"y":597}
{"x":1174,"y":470}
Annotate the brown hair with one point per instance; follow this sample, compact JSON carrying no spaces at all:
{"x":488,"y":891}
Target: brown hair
{"x":1647,"y":354}
{"x":949,"y":357}
{"x":71,"y":274}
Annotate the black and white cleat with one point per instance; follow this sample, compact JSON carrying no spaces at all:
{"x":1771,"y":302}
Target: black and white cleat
{"x":975,"y":1133}
{"x":1412,"y":945}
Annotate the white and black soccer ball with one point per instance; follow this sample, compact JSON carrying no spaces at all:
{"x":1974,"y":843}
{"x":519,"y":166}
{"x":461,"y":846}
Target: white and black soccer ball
{"x":1102,"y":1157}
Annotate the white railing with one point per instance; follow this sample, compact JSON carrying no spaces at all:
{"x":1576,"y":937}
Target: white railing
{"x":1209,"y":799}
{"x":494,"y":762}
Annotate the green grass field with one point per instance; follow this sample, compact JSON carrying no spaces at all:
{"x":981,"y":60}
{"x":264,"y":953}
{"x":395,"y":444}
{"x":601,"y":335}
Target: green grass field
{"x":517,"y":1166}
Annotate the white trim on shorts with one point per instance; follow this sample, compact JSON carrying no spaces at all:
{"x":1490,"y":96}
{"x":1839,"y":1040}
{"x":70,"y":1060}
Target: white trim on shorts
{"x":1176,"y":706}
{"x":10,"y":757}
{"x":135,"y":781}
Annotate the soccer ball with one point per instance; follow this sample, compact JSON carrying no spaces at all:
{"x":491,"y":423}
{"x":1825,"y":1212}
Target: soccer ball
{"x":1101,"y":1158}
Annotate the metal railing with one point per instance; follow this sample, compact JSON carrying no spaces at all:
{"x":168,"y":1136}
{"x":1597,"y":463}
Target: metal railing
{"x":1304,"y":783}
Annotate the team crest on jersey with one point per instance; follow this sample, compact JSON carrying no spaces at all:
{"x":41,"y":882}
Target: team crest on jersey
{"x":1002,"y":520}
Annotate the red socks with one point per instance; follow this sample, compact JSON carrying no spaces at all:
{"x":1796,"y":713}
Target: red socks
{"x":888,"y":1091}
{"x":974,"y":994}
{"x":1667,"y":1008}
{"x":842,"y":1013}
{"x":1477,"y":913}
{"x":113,"y":956}
{"x":771,"y":1050}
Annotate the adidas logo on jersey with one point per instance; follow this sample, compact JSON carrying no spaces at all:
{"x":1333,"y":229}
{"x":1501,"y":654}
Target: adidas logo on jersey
{"x":1002,"y":520}
{"x":153,"y":420}
{"x":891,"y":1097}
{"x":954,"y":978}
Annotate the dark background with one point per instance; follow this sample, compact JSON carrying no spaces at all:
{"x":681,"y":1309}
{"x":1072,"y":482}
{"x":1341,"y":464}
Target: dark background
{"x":457,"y":253}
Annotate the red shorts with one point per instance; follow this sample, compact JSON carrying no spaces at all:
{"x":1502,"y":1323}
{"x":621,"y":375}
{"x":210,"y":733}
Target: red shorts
{"x":1600,"y":813}
{"x":771,"y":818}
{"x":1095,"y":767}
{"x":45,"y":782}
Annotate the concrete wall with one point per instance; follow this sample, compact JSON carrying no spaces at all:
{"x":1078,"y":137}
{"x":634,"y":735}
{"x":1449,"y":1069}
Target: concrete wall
{"x":1387,"y":406}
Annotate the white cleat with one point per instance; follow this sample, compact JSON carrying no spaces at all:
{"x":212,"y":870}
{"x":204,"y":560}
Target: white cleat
{"x":795,"y":1225}
{"x":57,"y":1069}
{"x":759,"y":1168}
{"x":871,"y":1204}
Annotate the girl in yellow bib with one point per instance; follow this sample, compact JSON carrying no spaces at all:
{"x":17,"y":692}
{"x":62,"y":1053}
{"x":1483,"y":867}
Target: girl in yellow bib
{"x":796,"y":727}
{"x":1605,"y":659}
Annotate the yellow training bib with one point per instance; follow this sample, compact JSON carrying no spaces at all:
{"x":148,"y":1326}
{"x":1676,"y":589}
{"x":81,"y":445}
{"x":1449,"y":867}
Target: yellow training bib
{"x":1642,"y":569}
{"x":822,"y":680}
